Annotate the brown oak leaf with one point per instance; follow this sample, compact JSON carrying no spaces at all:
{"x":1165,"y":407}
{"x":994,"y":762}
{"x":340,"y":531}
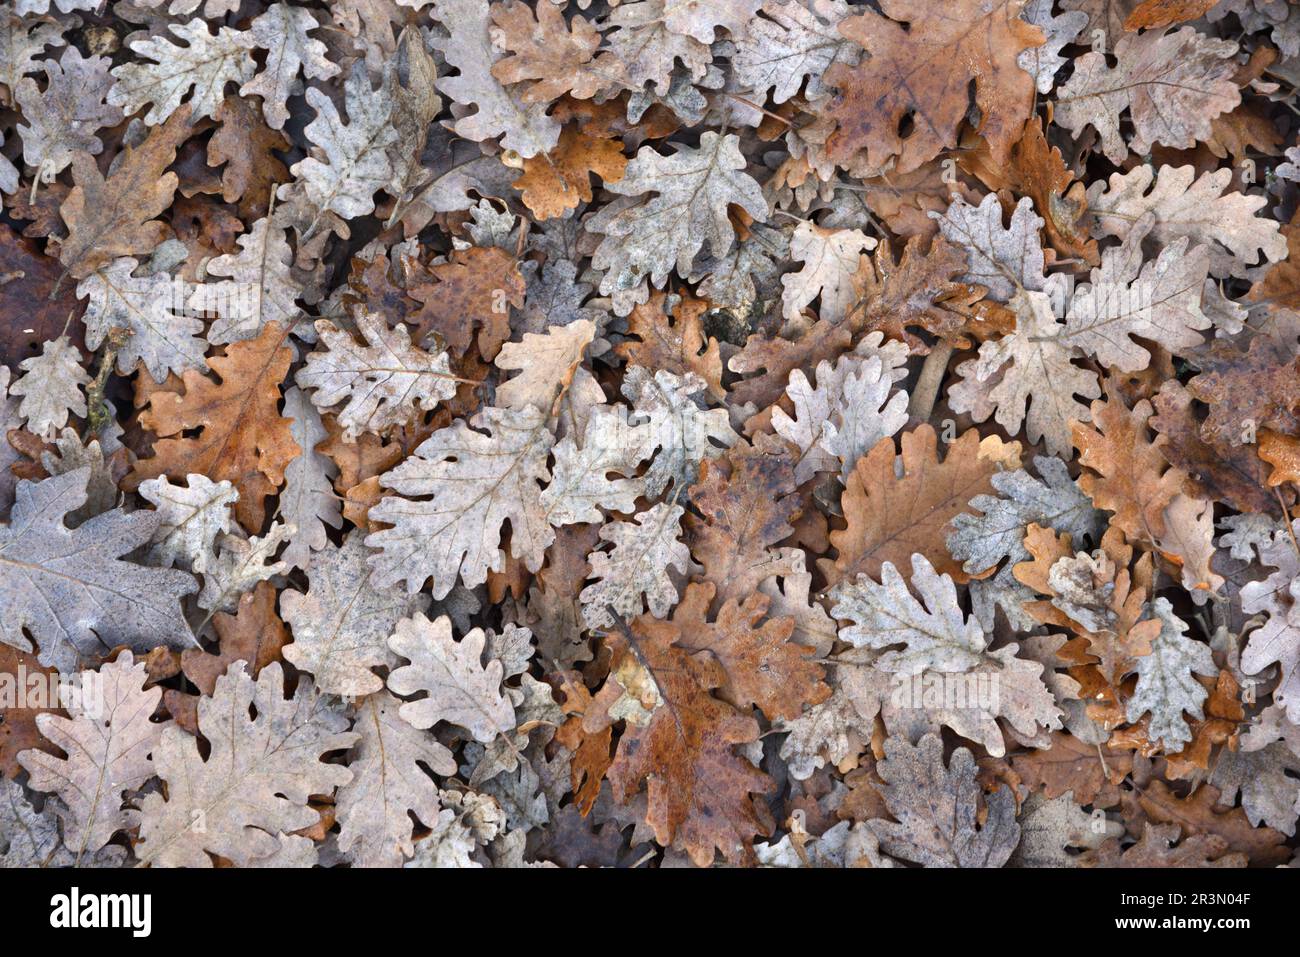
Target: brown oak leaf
{"x":746,"y":505}
{"x":242,"y":438}
{"x":254,"y":633}
{"x":922,"y":59}
{"x":470,"y":291}
{"x":1126,"y":472}
{"x":763,"y":666}
{"x":670,"y":335}
{"x":115,"y":216}
{"x":890,"y":517}
{"x":680,"y":743}
{"x":554,"y":183}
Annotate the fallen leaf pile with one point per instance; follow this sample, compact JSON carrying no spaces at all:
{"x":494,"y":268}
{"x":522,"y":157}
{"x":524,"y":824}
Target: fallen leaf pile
{"x":790,"y":433}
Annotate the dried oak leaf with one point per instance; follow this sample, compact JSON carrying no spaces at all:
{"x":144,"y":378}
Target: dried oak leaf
{"x":669,"y":334}
{"x":108,"y":218}
{"x":890,"y":517}
{"x":982,"y":541}
{"x":415,"y":106}
{"x":18,"y":730}
{"x":762,"y":664}
{"x":350,"y":161}
{"x":469,"y":49}
{"x":904,"y":201}
{"x":1061,"y":29}
{"x":1231,"y":473}
{"x":1268,"y":796}
{"x":854,"y":405}
{"x":470,"y":290}
{"x":240,"y":564}
{"x":35,"y":307}
{"x":936,"y":635}
{"x":206,"y":63}
{"x":559,"y":57}
{"x":921,"y":62}
{"x":191,"y":516}
{"x":554,"y":183}
{"x":1247,"y":391}
{"x":51,"y":386}
{"x":383,"y":383}
{"x":1188,"y":544}
{"x":458,"y":687}
{"x":65,"y":117}
{"x":23,"y":39}
{"x":546,"y":365}
{"x":1245,"y":130}
{"x":649,"y":48}
{"x":1172,"y":84}
{"x":308,"y":502}
{"x":1151,"y":14}
{"x":1125,"y":471}
{"x":580,"y":480}
{"x":249,"y":290}
{"x":70,"y":589}
{"x":791,"y":42}
{"x":257,"y":779}
{"x":388,"y":785}
{"x":107,"y":741}
{"x":590,"y":754}
{"x":1004,"y":259}
{"x":893,"y":297}
{"x":938,"y":808}
{"x":246,"y":147}
{"x":744,"y":510}
{"x":1156,"y":848}
{"x":1280,"y":286}
{"x":469,"y":483}
{"x":1278,"y":639}
{"x":1027,"y":378}
{"x":1200,"y":814}
{"x":920,"y":290}
{"x":634,"y":573}
{"x":1036,"y":169}
{"x":1166,"y":685}
{"x":1093,"y":772}
{"x":254,"y":634}
{"x":141,"y":312}
{"x":1199,"y":210}
{"x":1283,"y":453}
{"x":282,"y":31}
{"x":242,"y":437}
{"x":1096,"y":596}
{"x":692,"y":190}
{"x":679,"y":742}
{"x":1160,"y":301}
{"x":831,"y":261}
{"x":341,"y":625}
{"x":684,"y":434}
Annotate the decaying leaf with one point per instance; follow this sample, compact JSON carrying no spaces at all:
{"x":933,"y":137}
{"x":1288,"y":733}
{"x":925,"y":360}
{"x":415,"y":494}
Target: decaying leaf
{"x":937,"y":808}
{"x":242,"y":438}
{"x":256,"y":780}
{"x":71,"y":589}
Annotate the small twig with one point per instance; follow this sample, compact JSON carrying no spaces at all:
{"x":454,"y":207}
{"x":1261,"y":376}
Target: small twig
{"x":926,"y":391}
{"x":754,"y":106}
{"x":97,"y":414}
{"x":1286,"y":518}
